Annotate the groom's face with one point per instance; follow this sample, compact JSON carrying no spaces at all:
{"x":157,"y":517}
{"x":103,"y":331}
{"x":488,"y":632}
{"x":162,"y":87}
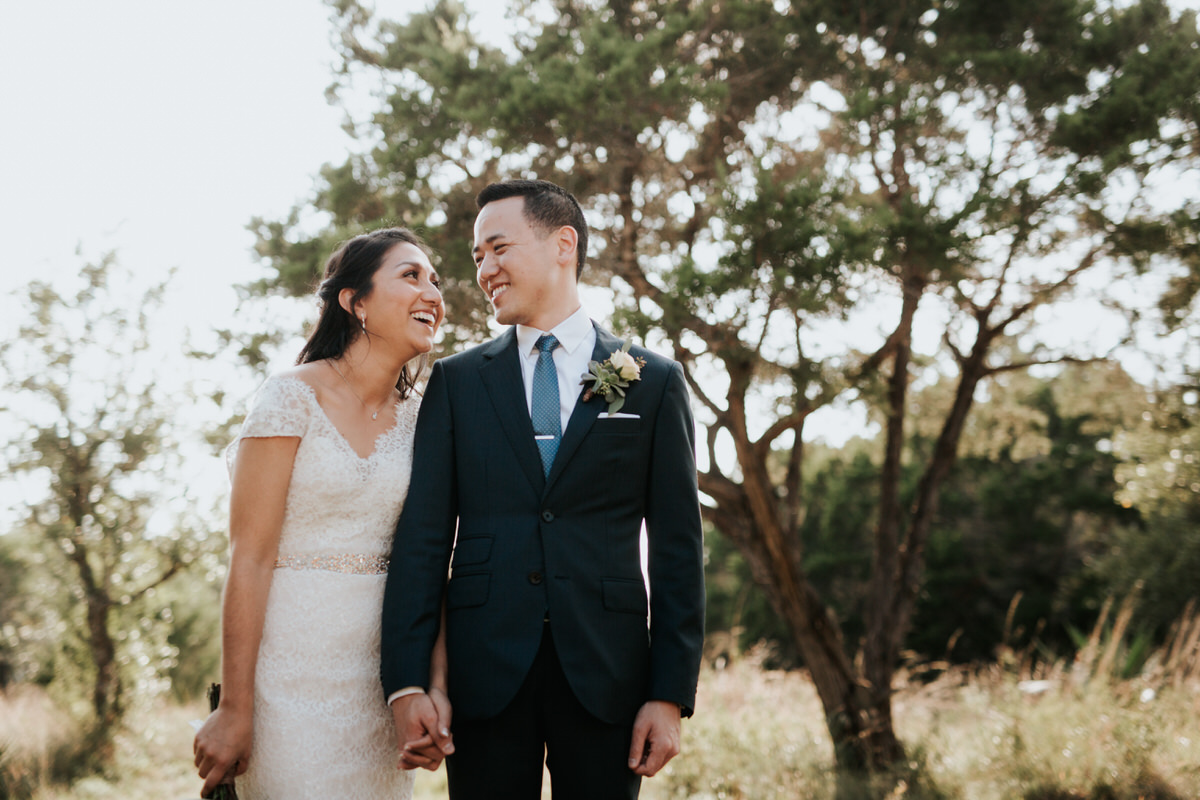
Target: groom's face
{"x":516,"y":266}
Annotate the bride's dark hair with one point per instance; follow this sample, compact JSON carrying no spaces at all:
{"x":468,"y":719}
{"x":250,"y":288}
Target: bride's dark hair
{"x":353,"y":266}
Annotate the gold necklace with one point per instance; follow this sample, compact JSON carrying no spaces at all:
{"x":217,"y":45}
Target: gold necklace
{"x":350,"y":386}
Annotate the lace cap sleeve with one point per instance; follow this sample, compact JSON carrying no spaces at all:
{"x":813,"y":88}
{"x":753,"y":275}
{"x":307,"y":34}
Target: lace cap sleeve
{"x":281,"y":407}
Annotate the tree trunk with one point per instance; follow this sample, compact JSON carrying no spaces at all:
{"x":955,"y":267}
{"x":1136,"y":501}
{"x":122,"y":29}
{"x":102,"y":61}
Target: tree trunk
{"x":862,"y":733}
{"x":106,"y":688}
{"x":859,"y":724}
{"x":883,"y":615}
{"x":106,"y":691}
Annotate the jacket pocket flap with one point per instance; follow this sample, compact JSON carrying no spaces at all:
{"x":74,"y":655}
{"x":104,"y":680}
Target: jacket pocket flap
{"x":624,"y":595}
{"x":472,"y":550}
{"x":468,"y":591}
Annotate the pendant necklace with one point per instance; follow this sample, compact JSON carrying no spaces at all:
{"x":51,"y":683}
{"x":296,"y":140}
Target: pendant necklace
{"x":350,"y":386}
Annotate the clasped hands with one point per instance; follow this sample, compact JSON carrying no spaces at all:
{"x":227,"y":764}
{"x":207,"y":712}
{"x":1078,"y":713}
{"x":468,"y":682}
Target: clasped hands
{"x":423,"y":729}
{"x":423,"y":726}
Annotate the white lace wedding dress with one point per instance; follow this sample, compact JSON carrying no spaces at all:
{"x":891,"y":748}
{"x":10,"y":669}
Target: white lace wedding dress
{"x":321,"y":725}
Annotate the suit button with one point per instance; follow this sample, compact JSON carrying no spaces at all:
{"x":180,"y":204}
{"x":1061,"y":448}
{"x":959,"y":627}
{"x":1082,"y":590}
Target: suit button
{"x":535,"y":577}
{"x":547,"y":516}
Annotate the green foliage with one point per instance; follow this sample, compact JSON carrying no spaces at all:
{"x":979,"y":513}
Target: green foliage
{"x":1160,"y":476}
{"x":1032,"y":513}
{"x":94,"y":438}
{"x":838,"y":529}
{"x":42,"y":628}
{"x":1022,"y":521}
{"x":738,"y":616}
{"x":11,"y":612}
{"x":192,"y":605}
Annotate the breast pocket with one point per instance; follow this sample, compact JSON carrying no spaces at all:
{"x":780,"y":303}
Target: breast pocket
{"x":618,"y":426}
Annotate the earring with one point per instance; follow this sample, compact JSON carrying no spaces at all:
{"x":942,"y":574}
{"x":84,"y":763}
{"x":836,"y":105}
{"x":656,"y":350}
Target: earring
{"x":362,"y":320}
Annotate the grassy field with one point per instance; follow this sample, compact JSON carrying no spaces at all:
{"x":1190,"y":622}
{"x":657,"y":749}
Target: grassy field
{"x":983,"y":735}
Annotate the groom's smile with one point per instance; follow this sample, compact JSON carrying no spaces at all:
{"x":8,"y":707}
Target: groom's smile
{"x":527,"y":273}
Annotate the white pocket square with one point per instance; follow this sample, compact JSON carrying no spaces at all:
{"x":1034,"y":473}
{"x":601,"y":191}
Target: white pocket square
{"x":619,"y":415}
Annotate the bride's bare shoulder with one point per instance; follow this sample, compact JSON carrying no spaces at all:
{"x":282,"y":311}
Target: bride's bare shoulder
{"x":315,"y":374}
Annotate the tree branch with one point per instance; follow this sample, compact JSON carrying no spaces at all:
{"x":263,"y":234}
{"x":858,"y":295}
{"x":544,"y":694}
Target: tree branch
{"x":167,"y":574}
{"x":887,"y":349}
{"x":686,"y":358}
{"x":711,"y":434}
{"x":1044,"y":293}
{"x":781,"y":426}
{"x":791,"y":480}
{"x":725,"y":492}
{"x":990,"y":371}
{"x":953,"y":348}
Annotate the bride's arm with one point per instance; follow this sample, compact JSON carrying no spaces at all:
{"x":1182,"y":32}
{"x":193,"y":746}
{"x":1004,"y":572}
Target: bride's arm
{"x":261,"y":474}
{"x":438,"y":667}
{"x":439,"y":679}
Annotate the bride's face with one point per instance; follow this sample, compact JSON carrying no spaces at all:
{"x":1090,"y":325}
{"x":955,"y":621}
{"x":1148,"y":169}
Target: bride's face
{"x":405,"y":306}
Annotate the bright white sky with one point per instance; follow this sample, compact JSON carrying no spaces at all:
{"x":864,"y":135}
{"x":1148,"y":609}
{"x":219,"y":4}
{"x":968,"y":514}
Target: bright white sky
{"x":158,"y":129}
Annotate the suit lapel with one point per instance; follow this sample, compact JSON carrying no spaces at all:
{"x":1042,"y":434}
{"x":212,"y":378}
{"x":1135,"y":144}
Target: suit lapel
{"x":585,"y":414}
{"x":501,"y":376}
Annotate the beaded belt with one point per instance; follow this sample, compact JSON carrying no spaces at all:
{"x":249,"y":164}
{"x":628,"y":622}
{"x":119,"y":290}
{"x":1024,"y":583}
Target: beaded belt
{"x":351,"y":563}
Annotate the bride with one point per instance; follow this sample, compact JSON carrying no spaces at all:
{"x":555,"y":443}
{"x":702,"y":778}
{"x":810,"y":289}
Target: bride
{"x":319,"y":474}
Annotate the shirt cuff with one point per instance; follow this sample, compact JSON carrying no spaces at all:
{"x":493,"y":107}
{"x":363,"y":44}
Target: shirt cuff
{"x":407,"y":690}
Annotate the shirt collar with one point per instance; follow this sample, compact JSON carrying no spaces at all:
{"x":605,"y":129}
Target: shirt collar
{"x":571,"y":333}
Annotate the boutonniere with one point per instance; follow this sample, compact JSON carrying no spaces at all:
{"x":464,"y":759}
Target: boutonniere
{"x":611,"y":377}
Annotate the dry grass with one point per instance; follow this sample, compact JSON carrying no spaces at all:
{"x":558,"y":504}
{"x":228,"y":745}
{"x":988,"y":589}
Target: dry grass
{"x":33,"y":736}
{"x":1019,"y":729}
{"x":756,"y":734}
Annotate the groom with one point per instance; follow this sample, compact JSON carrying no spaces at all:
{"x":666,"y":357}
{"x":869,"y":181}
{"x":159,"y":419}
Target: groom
{"x":535,"y":501}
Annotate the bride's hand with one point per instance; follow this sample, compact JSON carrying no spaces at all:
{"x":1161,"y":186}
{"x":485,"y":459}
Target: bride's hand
{"x":441,"y":703}
{"x":424,"y":738}
{"x":222,"y":747}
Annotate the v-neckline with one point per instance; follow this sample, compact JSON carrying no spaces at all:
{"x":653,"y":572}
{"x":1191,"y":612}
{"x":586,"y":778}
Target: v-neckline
{"x":312,"y":393}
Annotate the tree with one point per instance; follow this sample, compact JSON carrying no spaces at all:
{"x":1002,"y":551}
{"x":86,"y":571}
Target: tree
{"x":1160,"y":477}
{"x":1030,"y":504}
{"x":1027,"y":513}
{"x":97,"y":437}
{"x":757,"y":173}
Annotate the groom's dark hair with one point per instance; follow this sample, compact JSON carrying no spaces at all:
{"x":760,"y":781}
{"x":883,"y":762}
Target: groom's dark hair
{"x":547,"y":208}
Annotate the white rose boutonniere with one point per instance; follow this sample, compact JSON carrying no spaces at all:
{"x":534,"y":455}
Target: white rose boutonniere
{"x":611,"y":377}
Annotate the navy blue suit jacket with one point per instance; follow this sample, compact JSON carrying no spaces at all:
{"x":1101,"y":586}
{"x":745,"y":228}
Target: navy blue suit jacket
{"x":520,"y":545}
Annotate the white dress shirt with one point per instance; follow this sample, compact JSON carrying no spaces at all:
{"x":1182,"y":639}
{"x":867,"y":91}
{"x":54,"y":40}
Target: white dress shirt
{"x":576,"y":339}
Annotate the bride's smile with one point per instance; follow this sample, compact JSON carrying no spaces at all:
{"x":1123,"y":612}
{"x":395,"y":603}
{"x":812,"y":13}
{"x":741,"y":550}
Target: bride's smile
{"x":404,"y":307}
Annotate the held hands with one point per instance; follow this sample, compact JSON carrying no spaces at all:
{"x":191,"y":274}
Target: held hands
{"x":222,"y":747}
{"x":423,"y":729}
{"x":655,"y":737}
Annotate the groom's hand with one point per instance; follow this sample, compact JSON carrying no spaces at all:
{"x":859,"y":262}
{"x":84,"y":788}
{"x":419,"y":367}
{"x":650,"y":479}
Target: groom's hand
{"x":422,"y":733}
{"x":655,"y":737}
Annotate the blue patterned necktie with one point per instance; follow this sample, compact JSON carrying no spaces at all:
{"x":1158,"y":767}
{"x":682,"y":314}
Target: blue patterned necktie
{"x":545,"y":408}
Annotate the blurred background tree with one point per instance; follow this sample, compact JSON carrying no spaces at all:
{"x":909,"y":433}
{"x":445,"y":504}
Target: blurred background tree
{"x":1159,"y":474}
{"x":96,"y":444}
{"x":768,"y":182}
